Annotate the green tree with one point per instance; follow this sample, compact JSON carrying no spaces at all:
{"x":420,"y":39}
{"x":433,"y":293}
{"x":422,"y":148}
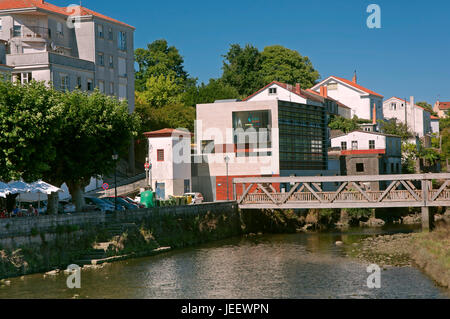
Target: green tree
{"x":410,"y":154}
{"x":160,"y":91}
{"x":287,"y":66}
{"x":91,"y":127}
{"x":214,"y":90}
{"x":160,"y":59}
{"x":343,"y":124}
{"x":394,"y":127}
{"x":28,"y":125}
{"x":241,"y":69}
{"x":427,"y":106}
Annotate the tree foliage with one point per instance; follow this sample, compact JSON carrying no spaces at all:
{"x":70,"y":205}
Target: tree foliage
{"x":160,"y":91}
{"x":28,"y":124}
{"x":160,"y":59}
{"x":343,"y":124}
{"x":247,"y":69}
{"x":428,"y":107}
{"x":208,"y":93}
{"x":394,"y":127}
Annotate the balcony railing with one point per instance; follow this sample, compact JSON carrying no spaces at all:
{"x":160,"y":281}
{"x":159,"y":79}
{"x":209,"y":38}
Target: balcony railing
{"x":32,"y":32}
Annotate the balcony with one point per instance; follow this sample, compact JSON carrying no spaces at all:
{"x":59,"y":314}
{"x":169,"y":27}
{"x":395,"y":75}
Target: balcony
{"x":48,"y":58}
{"x":27,"y":33}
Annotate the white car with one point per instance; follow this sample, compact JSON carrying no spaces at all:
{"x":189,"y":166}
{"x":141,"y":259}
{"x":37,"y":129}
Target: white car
{"x":197,"y":198}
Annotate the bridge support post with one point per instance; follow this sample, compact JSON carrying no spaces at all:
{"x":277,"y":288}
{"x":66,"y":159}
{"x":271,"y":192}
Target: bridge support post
{"x":427,"y":219}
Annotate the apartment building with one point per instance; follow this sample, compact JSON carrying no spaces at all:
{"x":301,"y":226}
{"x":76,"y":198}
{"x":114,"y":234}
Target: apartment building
{"x":280,"y":130}
{"x":68,"y":47}
{"x":417,"y":118}
{"x":361,"y":100}
{"x":441,"y":108}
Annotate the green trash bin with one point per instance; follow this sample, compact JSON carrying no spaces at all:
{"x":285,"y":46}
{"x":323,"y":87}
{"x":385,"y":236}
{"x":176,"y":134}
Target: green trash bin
{"x":148,"y":199}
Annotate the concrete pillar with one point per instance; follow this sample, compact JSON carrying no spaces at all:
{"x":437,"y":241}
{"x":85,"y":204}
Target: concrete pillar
{"x":427,"y":219}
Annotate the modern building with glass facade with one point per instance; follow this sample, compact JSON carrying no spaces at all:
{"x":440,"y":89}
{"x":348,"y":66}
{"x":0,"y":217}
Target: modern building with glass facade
{"x":280,"y":130}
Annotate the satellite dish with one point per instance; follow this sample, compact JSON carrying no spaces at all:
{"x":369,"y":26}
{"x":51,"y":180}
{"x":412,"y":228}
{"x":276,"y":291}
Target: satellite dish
{"x":53,"y":46}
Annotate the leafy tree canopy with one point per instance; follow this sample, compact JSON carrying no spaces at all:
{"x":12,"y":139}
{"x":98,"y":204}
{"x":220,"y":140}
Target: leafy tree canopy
{"x":160,"y":91}
{"x":160,"y":59}
{"x":394,"y":127}
{"x":247,"y":69}
{"x":287,"y":66}
{"x":343,"y":124}
{"x":214,"y":90}
{"x":28,"y":124}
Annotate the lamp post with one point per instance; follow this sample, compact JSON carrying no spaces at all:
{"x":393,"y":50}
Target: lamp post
{"x":227,"y":160}
{"x":115,"y":157}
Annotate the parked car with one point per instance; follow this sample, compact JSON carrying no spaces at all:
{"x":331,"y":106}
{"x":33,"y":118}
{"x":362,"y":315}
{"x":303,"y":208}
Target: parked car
{"x":128,"y":199}
{"x":110,"y":200}
{"x":121,"y":201}
{"x":103,"y":205}
{"x":197,"y":198}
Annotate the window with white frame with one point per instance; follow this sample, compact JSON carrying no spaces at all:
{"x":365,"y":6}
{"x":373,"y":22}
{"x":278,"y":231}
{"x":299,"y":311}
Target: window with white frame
{"x":393,"y":106}
{"x":101,"y":86}
{"x":122,"y":67}
{"x":272,"y":91}
{"x":371,"y":144}
{"x":122,"y":41}
{"x":23,"y":78}
{"x":110,"y":34}
{"x":122,"y":92}
{"x":100,"y":31}
{"x":89,"y":85}
{"x":111,"y":88}
{"x":111,"y":62}
{"x":354,"y":145}
{"x":59,"y":29}
{"x":101,"y":59}
{"x":64,"y":82}
{"x":79,"y":85}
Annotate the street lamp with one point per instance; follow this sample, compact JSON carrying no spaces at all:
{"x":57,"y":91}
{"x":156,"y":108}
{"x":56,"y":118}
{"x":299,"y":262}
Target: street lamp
{"x":115,"y":157}
{"x":227,"y":160}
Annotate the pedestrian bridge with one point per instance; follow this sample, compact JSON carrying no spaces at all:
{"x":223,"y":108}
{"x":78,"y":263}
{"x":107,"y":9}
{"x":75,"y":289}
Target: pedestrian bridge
{"x":366,"y":191}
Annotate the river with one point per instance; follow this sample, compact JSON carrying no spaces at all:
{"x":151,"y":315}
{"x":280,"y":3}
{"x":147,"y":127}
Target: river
{"x":269,"y":266}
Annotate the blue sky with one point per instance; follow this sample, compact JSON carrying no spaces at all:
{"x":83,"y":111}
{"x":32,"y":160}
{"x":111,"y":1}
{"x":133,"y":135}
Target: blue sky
{"x":409,"y":55}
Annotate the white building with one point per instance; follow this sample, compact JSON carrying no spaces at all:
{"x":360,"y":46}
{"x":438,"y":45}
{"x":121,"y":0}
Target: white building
{"x":361,"y":100}
{"x":418,"y":120}
{"x":70,"y":48}
{"x":435,"y":128}
{"x":170,"y":156}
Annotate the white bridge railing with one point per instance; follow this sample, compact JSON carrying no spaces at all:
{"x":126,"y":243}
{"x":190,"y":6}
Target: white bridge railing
{"x":368,"y":191}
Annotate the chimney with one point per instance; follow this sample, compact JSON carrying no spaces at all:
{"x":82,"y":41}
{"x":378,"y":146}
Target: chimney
{"x":374,"y":114}
{"x":298,"y":88}
{"x":355,"y":78}
{"x":324,"y":91}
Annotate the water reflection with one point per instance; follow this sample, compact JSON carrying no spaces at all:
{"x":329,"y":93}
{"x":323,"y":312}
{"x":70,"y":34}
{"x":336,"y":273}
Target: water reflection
{"x":279,"y":266}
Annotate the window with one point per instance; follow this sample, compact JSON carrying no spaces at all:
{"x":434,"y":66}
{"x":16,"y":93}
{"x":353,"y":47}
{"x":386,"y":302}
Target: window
{"x":101,"y":86}
{"x":59,"y":29}
{"x":89,"y":85}
{"x":160,"y":155}
{"x":392,"y":167}
{"x":354,"y":145}
{"x":17,"y":29}
{"x":100,"y":31}
{"x":360,"y":167}
{"x":64,"y":82}
{"x":23,"y":78}
{"x":110,"y":34}
{"x":122,"y":92}
{"x":344,"y":146}
{"x":122,"y":41}
{"x":1,"y":25}
{"x":111,"y":62}
{"x":122,"y":67}
{"x":111,"y":88}
{"x":371,"y":144}
{"x":332,"y":86}
{"x":187,"y":186}
{"x":397,"y":167}
{"x":101,"y":59}
{"x":393,"y":106}
{"x":273,"y":91}
{"x":79,"y":87}
{"x":208,"y":147}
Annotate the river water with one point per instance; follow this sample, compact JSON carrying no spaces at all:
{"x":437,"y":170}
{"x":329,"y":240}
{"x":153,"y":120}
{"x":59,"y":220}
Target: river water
{"x":270,"y":266}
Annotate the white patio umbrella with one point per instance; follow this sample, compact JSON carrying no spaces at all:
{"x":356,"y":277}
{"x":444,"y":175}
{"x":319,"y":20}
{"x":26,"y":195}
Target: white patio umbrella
{"x":19,"y":187}
{"x":4,"y":190}
{"x":39,"y":188}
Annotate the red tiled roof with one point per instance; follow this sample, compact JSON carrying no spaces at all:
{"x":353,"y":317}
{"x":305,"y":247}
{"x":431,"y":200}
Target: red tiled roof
{"x":435,"y":117}
{"x":420,"y":107}
{"x":167,"y":132}
{"x":355,"y":85}
{"x":444,"y":105}
{"x":303,"y":93}
{"x":330,"y":98}
{"x":44,"y":5}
